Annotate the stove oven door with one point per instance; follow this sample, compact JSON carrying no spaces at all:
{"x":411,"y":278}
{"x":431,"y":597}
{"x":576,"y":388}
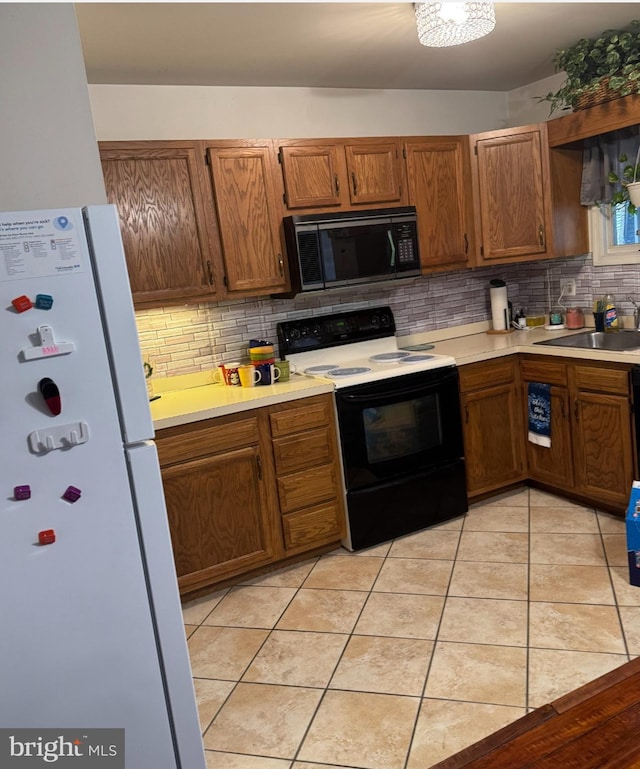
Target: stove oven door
{"x":399,"y":426}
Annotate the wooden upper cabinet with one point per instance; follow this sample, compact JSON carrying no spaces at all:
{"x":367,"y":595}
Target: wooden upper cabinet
{"x":249,"y":216}
{"x":513,"y":193}
{"x":600,"y":119}
{"x":166,"y":216}
{"x":438,"y":178}
{"x":313,"y":175}
{"x":342,"y":173}
{"x":374,"y":171}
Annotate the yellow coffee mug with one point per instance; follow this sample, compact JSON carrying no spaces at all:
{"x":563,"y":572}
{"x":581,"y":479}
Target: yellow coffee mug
{"x":249,"y":375}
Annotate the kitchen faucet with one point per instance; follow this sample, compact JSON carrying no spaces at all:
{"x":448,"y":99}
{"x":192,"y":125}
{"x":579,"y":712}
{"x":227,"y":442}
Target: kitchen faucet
{"x":636,"y":313}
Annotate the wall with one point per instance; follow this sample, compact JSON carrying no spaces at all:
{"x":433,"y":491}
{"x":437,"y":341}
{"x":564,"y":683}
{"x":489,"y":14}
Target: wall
{"x":524,"y":107}
{"x":50,"y":157}
{"x":123,"y":112}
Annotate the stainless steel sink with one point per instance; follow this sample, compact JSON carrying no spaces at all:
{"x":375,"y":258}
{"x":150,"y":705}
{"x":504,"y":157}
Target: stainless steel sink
{"x":598,"y":340}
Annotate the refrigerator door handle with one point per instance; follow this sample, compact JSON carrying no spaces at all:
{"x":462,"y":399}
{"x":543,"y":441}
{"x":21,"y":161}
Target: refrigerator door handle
{"x":118,"y":320}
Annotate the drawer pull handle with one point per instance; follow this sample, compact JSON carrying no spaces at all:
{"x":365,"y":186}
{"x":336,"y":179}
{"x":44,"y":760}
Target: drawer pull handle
{"x":259,"y":466}
{"x":210,"y":273}
{"x":355,"y":184}
{"x":336,"y":184}
{"x":280,"y":265}
{"x":541,"y":235}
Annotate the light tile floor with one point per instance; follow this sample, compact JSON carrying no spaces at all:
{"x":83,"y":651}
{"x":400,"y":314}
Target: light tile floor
{"x":400,"y":655}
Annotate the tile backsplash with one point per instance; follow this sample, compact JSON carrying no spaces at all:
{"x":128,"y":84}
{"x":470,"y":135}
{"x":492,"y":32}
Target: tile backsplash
{"x":192,"y":338}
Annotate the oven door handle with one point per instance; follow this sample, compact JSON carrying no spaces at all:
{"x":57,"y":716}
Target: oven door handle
{"x":374,"y":399}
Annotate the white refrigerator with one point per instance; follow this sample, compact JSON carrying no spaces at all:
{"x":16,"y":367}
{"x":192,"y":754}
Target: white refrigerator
{"x":91,"y":632}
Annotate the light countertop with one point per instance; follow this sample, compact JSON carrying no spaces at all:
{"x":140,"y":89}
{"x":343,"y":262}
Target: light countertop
{"x":191,"y":404}
{"x":191,"y":398}
{"x":470,"y":344}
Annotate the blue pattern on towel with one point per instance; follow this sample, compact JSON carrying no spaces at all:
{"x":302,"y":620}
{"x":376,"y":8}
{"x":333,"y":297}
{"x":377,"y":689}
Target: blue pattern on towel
{"x":539,"y":410}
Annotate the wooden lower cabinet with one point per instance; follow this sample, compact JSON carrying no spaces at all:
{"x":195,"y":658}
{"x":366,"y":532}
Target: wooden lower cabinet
{"x":591,"y":453}
{"x":308,"y":473}
{"x":554,"y":465}
{"x":218,"y":499}
{"x":251,"y":489}
{"x":492,"y":425}
{"x":602,"y":428}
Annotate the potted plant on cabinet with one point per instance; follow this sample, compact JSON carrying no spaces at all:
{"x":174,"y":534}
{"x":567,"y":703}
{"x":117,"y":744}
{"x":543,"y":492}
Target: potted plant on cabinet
{"x":598,"y":69}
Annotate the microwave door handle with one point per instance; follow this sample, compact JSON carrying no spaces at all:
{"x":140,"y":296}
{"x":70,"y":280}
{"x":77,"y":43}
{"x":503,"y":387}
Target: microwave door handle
{"x":392,"y":246}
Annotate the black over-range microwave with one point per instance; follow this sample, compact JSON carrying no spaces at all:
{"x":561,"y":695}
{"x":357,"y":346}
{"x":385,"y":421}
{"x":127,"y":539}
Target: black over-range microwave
{"x":340,"y":249}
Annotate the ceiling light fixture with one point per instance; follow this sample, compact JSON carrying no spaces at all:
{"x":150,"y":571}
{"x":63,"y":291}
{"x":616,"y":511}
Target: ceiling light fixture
{"x":449,"y":23}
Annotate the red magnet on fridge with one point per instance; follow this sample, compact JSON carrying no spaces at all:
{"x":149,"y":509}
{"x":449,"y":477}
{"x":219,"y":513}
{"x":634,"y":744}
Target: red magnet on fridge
{"x":46,"y":537}
{"x":49,"y":391}
{"x":22,"y":303}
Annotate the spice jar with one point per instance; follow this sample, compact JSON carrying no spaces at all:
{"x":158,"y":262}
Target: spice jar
{"x":574,"y":318}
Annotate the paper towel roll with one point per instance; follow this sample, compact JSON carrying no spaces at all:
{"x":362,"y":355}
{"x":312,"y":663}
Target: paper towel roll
{"x":499,"y":308}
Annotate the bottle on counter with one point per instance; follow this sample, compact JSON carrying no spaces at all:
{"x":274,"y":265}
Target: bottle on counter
{"x":610,"y":313}
{"x":521,"y":318}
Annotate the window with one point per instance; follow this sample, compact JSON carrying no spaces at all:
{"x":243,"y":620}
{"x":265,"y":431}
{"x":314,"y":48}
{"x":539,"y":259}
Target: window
{"x":615,"y":235}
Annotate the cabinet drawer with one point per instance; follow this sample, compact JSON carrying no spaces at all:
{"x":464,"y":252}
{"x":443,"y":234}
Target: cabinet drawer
{"x":603,"y":380}
{"x":294,"y":420}
{"x":308,"y":487}
{"x":210,"y":438}
{"x":302,"y":450}
{"x":544,"y":370}
{"x":475,"y":376}
{"x":312,"y":527}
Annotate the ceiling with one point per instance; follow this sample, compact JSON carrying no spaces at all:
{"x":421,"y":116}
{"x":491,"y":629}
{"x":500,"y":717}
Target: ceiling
{"x":370,"y":45}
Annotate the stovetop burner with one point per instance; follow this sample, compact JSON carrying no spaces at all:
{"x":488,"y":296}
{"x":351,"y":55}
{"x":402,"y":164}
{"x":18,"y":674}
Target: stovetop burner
{"x":389,"y":357}
{"x":321,"y":369}
{"x":417,"y":358}
{"x":348,"y":371}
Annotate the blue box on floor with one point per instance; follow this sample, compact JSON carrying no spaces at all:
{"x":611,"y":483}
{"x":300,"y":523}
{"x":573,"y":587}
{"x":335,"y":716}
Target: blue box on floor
{"x":633,"y":534}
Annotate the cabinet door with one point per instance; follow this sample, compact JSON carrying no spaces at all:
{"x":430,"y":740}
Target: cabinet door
{"x":311,"y":176}
{"x":167,"y":222}
{"x":217,"y":516}
{"x":438,"y":180}
{"x":374,"y":172}
{"x":492,"y":438}
{"x":554,"y":465}
{"x":249,"y":216}
{"x":603,"y":447}
{"x":514,"y":193}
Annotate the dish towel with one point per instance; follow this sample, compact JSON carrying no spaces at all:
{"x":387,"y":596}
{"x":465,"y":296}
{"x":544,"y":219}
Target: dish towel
{"x":539,"y":410}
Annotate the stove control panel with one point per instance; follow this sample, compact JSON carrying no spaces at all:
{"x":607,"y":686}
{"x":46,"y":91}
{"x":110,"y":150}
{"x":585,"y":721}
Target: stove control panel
{"x":315,"y":333}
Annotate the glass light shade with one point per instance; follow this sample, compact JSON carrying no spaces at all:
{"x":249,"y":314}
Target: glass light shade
{"x":449,"y":23}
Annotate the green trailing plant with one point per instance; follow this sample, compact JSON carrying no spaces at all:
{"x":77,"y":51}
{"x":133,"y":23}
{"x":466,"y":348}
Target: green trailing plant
{"x":614,"y":57}
{"x":630,"y":174}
